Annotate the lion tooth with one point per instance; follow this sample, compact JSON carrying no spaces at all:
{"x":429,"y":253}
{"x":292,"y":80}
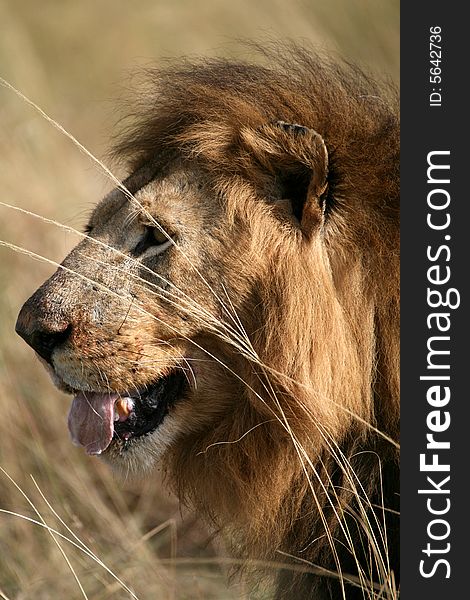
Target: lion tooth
{"x":123,"y":408}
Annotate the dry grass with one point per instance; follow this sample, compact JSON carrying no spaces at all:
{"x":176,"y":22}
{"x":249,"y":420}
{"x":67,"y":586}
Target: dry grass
{"x":68,"y":57}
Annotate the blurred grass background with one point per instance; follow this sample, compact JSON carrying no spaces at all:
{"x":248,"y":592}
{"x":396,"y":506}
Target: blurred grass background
{"x":74,"y":59}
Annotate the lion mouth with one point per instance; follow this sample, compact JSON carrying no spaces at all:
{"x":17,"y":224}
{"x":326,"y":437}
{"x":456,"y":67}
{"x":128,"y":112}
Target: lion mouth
{"x":96,"y":419}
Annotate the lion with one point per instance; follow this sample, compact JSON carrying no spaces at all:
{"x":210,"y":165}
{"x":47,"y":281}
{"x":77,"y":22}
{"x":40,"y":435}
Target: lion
{"x":231,"y":315}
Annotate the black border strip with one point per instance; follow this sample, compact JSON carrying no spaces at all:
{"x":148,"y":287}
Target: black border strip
{"x":438,"y":125}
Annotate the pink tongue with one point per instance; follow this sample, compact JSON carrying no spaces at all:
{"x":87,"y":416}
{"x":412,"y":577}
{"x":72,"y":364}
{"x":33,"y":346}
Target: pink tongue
{"x":91,"y":419}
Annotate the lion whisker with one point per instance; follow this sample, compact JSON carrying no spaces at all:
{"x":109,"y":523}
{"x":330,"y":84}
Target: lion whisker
{"x":228,"y":442}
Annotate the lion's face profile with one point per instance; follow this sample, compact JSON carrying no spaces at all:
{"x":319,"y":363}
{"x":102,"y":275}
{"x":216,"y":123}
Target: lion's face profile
{"x":232,"y":312}
{"x":127,"y":324}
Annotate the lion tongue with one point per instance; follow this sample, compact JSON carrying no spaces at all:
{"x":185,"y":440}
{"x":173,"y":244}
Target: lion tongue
{"x":91,"y":420}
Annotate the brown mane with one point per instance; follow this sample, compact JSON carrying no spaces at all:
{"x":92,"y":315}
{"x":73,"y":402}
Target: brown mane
{"x":324,"y":324}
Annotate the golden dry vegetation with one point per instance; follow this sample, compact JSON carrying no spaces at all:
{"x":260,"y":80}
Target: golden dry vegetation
{"x":74,"y":59}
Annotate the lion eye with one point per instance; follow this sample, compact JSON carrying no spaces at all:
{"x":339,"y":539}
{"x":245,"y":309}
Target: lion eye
{"x":159,"y":236}
{"x":153,"y":238}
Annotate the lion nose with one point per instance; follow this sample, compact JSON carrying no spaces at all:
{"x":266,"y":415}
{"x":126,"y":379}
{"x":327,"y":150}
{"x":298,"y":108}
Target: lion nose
{"x":41,"y":330}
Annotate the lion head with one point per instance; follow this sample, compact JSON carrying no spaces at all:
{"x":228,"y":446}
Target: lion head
{"x":232,"y":312}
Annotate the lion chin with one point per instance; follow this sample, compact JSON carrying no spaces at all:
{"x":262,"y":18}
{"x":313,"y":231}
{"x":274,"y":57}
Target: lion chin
{"x":231,"y":314}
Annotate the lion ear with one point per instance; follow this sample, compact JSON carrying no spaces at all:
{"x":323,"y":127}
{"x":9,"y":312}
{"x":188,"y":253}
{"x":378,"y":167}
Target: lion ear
{"x":297,"y":158}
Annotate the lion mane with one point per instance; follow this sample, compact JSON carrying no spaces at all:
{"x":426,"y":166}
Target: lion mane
{"x":298,"y":463}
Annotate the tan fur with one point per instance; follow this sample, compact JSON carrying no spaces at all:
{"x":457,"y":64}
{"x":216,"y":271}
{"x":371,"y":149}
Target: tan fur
{"x":276,"y":440}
